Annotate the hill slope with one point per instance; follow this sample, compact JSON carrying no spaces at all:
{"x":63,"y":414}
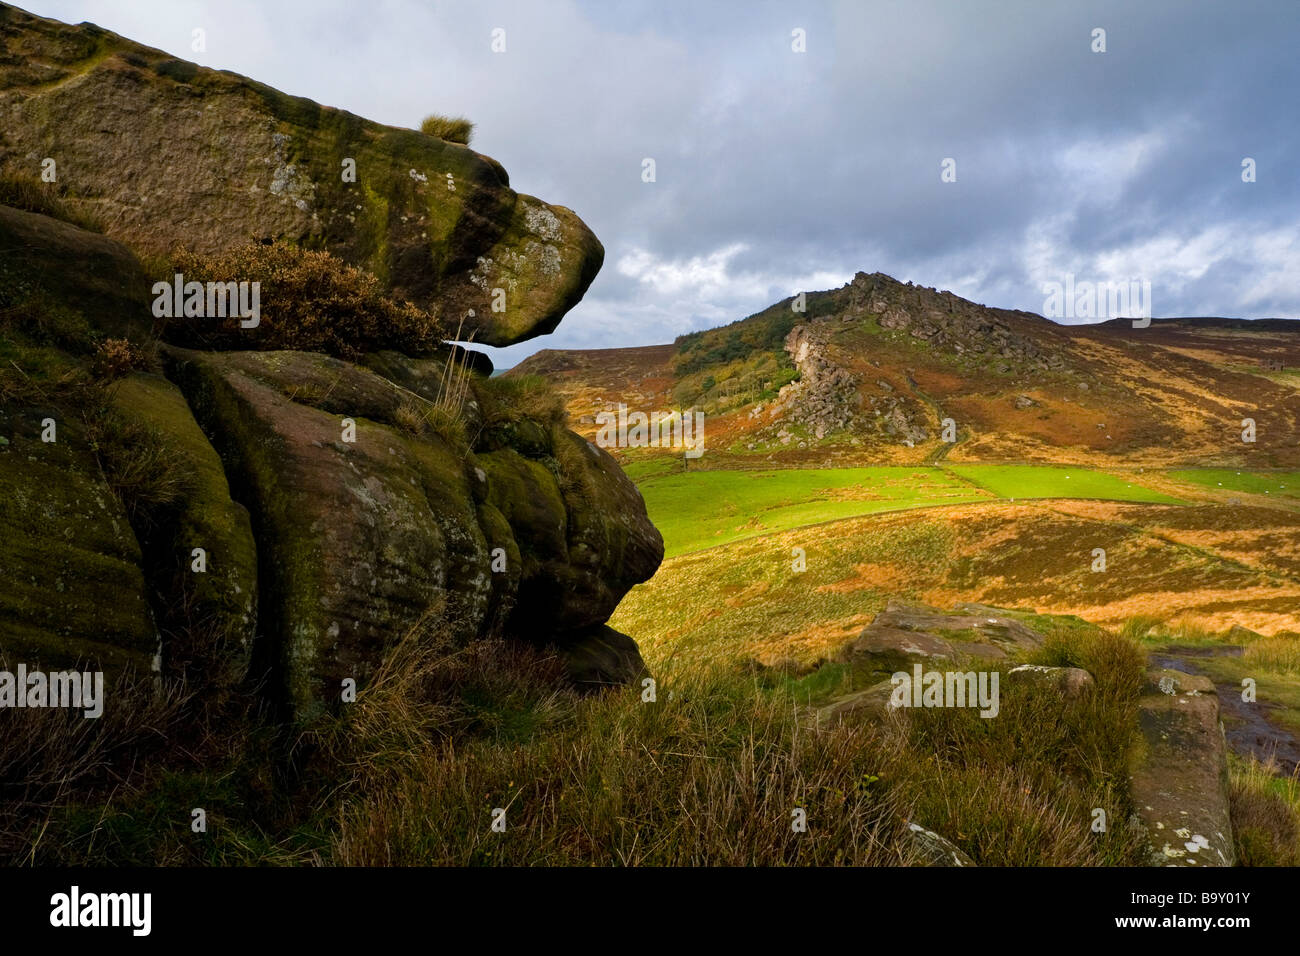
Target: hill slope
{"x":869,"y":372}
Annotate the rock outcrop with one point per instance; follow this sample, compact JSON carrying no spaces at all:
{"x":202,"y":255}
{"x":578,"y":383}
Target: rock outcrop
{"x":326,"y":542}
{"x":278,"y":519}
{"x":830,"y":397}
{"x":825,"y":396}
{"x":1180,"y":787}
{"x":946,"y":321}
{"x":164,"y":152}
{"x":903,"y":633}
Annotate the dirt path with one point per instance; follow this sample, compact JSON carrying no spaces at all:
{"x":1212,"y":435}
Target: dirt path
{"x":1246,"y":726}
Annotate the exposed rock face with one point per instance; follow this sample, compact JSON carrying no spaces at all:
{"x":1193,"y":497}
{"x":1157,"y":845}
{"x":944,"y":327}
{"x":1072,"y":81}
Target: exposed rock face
{"x":946,"y":320}
{"x":222,"y":598}
{"x":1180,"y":788}
{"x":828,"y":397}
{"x":163,"y":151}
{"x":74,"y":577}
{"x":80,"y":270}
{"x":825,"y":396}
{"x":363,"y":539}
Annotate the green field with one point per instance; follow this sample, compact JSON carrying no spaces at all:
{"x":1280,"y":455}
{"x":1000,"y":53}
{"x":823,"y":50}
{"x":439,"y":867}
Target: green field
{"x":1286,"y":483}
{"x":701,"y":509}
{"x":1052,"y":481}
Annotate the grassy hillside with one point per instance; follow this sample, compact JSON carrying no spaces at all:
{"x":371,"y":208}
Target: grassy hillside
{"x":903,"y":359}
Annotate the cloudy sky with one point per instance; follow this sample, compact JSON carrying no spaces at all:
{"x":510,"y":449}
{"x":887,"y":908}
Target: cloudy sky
{"x":779,"y":170}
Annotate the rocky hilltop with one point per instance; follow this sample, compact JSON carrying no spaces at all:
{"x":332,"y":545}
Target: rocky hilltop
{"x":164,"y":152}
{"x":256,"y":514}
{"x":872,"y":372}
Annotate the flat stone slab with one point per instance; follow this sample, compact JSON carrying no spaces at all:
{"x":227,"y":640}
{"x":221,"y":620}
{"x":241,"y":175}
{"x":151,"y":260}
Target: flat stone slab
{"x":903,"y":632}
{"x":1180,"y":786}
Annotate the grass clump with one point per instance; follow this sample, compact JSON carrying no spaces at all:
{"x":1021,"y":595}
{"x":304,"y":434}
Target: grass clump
{"x":1280,"y":654}
{"x":1265,"y":811}
{"x":508,"y":399}
{"x":29,"y":194}
{"x":116,"y":357}
{"x":50,"y":756}
{"x":146,"y":473}
{"x":453,"y":129}
{"x":1019,"y":789}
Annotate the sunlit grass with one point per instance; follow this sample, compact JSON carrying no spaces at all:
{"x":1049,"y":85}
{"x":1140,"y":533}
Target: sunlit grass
{"x":1052,"y":481}
{"x":1284,"y":483}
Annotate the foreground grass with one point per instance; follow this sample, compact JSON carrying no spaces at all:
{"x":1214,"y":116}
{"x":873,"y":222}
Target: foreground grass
{"x":711,"y":771}
{"x":1265,"y":813}
{"x":708,"y":772}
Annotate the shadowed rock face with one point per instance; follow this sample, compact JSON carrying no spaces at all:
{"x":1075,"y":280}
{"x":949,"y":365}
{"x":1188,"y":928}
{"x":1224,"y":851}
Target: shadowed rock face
{"x":362,"y":539}
{"x":162,"y":151}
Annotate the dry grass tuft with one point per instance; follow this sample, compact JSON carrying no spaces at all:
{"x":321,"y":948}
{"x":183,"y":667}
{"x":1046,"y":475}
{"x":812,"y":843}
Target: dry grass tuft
{"x":453,"y":129}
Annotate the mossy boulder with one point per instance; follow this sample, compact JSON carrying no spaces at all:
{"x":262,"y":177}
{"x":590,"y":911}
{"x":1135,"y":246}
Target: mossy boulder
{"x":74,"y":586}
{"x":221,"y":599}
{"x":602,"y":657}
{"x":583,"y":534}
{"x":160,"y":150}
{"x":365,"y":540}
{"x":361,"y":540}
